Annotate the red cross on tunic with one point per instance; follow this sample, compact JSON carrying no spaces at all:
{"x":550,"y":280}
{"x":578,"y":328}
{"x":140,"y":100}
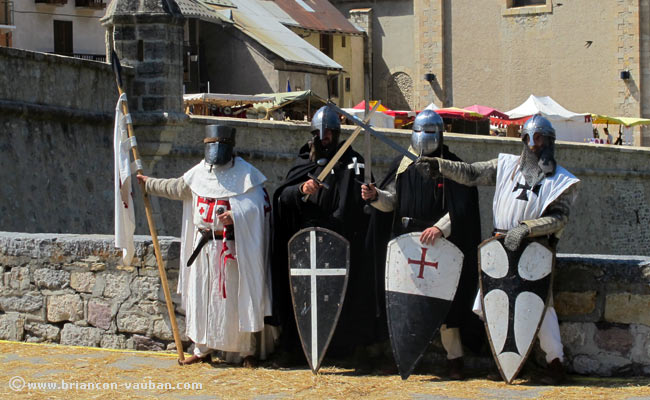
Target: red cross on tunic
{"x":422,"y":263}
{"x":206,"y":213}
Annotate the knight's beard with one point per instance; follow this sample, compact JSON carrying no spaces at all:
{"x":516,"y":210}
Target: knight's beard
{"x":529,"y":164}
{"x":318,"y":151}
{"x":535,"y":167}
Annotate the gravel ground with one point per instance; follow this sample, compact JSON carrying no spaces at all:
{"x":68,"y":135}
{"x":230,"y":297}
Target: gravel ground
{"x":38,"y":371}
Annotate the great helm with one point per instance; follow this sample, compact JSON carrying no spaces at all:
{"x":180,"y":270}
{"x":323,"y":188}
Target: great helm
{"x":325,"y":118}
{"x":427,"y":132}
{"x":219,"y":144}
{"x":537,"y":124}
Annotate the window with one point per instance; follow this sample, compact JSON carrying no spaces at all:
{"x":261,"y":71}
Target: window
{"x":525,"y":7}
{"x":342,"y":40}
{"x":63,"y":37}
{"x":326,"y":44}
{"x":524,"y":3}
{"x":347,"y":84}
{"x":334,"y":86}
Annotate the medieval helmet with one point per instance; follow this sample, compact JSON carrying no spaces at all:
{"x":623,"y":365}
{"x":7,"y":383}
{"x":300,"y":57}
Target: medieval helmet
{"x":537,"y":124}
{"x":326,"y":118}
{"x":427,"y":132}
{"x":219,"y":144}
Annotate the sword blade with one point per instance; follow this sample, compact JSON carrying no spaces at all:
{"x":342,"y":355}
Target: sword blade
{"x":367,"y":159}
{"x":374,"y":133}
{"x":335,"y":159}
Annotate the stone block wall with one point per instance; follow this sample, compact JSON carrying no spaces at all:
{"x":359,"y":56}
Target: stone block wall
{"x":70,"y":289}
{"x":603,"y":304}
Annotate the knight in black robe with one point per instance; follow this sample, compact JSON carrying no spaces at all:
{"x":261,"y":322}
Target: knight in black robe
{"x":338,"y":208}
{"x":410,"y":203}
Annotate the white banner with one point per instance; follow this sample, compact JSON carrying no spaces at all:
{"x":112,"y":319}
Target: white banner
{"x":124,"y":215}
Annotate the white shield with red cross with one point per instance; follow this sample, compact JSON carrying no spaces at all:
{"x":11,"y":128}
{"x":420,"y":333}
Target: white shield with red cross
{"x":421,"y":283}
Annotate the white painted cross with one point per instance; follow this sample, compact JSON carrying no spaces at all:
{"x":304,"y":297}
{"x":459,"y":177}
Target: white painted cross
{"x":313,"y":272}
{"x":356,"y":166}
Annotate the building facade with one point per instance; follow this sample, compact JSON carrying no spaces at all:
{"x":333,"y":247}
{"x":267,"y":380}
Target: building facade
{"x":498,"y":52}
{"x":66,"y":27}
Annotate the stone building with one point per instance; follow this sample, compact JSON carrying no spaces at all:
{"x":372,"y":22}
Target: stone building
{"x":325,"y":28}
{"x":232,"y":46}
{"x":497,"y":53}
{"x":67,"y":27}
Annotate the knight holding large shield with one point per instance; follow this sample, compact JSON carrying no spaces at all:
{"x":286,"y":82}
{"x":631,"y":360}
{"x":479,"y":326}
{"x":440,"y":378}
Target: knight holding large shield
{"x":445,"y":209}
{"x":532,"y":201}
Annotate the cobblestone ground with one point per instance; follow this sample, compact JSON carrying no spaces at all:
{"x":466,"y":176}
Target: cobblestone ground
{"x":37,"y":371}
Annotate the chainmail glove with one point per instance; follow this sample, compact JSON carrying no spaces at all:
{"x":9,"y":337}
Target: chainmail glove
{"x":515,"y":236}
{"x":428,"y":167}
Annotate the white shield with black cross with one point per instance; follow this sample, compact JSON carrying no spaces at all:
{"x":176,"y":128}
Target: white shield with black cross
{"x":319,"y":261}
{"x":421,"y":282}
{"x":515,"y":288}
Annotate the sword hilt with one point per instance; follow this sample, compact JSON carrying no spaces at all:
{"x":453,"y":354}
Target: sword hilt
{"x":367,"y":208}
{"x":323,"y":184}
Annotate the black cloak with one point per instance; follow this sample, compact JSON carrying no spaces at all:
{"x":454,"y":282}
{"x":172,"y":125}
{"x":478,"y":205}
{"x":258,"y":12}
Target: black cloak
{"x":426,"y":201}
{"x":339,"y":208}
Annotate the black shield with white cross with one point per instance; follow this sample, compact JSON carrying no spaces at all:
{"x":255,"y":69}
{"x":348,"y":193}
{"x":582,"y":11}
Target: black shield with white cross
{"x":515,"y":288}
{"x":421,"y":282}
{"x":319,"y":261}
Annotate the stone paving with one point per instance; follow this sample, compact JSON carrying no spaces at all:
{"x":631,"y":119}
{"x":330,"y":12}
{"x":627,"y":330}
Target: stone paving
{"x":38,"y":371}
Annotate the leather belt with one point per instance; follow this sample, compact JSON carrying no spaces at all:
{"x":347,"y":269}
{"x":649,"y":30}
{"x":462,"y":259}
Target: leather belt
{"x":206,"y":236}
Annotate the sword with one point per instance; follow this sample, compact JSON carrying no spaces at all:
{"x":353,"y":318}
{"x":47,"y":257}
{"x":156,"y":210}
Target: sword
{"x":373,"y":132}
{"x":328,"y":167}
{"x":367,"y":166}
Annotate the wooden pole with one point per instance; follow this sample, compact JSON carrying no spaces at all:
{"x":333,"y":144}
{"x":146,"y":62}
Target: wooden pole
{"x":150,"y":220}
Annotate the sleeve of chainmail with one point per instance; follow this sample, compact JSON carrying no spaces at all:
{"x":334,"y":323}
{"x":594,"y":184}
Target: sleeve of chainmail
{"x":174,"y":188}
{"x":385,"y":200}
{"x":556,"y":215}
{"x":483,"y":173}
{"x":444,"y":224}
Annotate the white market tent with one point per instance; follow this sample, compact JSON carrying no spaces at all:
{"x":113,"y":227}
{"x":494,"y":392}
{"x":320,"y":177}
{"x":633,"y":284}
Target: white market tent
{"x":377,"y":119}
{"x":569,"y":126}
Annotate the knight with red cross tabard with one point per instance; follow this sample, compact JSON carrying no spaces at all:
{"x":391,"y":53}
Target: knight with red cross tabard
{"x":406,"y":202}
{"x":532,"y":201}
{"x":224,"y":273}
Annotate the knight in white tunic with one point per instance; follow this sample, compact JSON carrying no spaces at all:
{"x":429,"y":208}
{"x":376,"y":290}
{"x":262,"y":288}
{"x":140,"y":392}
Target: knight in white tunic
{"x":224,"y":272}
{"x":533,"y":198}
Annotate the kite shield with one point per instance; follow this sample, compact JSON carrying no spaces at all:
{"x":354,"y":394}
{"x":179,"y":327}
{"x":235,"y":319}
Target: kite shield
{"x":421,"y":282}
{"x":319,"y":261}
{"x":515,"y":288}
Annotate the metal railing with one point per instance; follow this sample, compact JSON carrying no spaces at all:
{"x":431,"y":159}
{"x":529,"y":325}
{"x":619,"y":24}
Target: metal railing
{"x":6,"y":12}
{"x":92,"y":57}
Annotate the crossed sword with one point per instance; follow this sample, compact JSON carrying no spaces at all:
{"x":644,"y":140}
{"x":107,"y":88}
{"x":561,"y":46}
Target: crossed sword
{"x":361,"y":125}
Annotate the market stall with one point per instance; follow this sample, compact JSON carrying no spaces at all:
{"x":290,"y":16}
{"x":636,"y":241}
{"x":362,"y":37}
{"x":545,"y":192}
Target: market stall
{"x":625,"y":128}
{"x":299,"y":105}
{"x":220,"y":104}
{"x":569,"y":126}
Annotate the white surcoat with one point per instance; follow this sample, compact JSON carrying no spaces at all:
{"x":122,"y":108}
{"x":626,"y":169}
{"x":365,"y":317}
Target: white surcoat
{"x":514,"y":201}
{"x":225,"y":292}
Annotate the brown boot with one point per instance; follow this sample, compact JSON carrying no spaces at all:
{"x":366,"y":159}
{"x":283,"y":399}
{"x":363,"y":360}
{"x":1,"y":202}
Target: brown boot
{"x":555,"y":374}
{"x":455,"y":368}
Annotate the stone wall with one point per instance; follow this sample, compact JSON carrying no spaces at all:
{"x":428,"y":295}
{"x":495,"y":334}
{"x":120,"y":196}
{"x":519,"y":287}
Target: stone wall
{"x":56,"y":127}
{"x":70,"y":289}
{"x":610,"y":216}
